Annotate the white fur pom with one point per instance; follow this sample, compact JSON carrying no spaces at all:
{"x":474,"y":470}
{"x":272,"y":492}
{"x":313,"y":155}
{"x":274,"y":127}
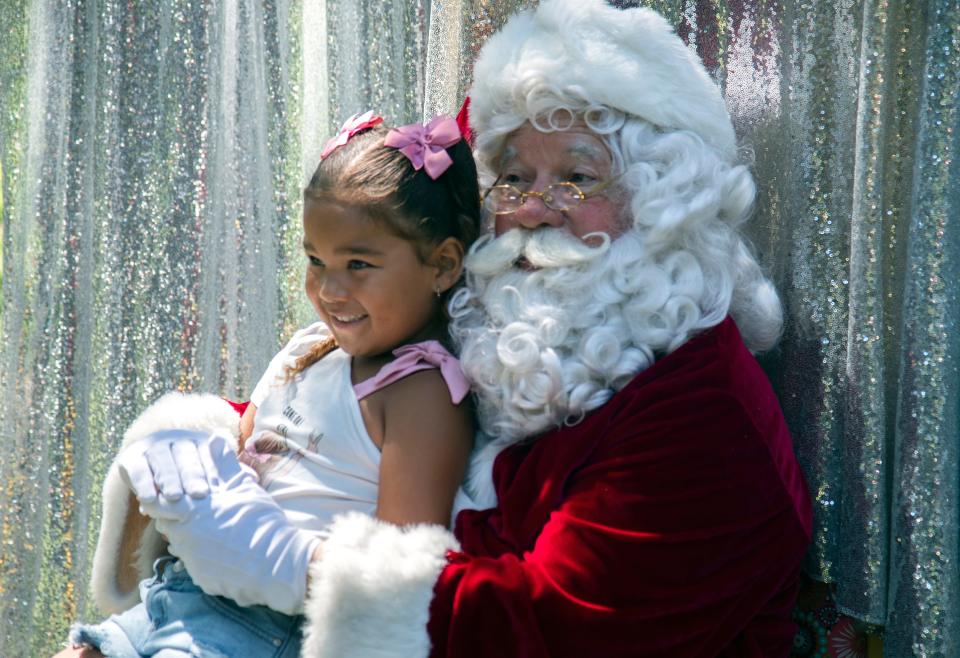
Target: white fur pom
{"x":370,"y":593}
{"x":172,"y":411}
{"x":185,"y":411}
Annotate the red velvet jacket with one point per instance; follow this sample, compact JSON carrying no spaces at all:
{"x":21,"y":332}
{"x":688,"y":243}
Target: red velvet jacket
{"x":670,"y":522}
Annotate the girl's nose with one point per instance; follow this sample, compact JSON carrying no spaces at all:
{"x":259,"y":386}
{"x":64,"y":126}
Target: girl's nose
{"x":331,"y":289}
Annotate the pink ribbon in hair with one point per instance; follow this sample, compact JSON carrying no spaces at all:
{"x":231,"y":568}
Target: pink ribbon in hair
{"x":426,"y":145}
{"x":350,"y":127}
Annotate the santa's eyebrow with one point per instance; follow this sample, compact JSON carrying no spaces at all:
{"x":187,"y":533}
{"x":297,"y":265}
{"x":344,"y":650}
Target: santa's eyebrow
{"x":588,"y":151}
{"x":579,"y":150}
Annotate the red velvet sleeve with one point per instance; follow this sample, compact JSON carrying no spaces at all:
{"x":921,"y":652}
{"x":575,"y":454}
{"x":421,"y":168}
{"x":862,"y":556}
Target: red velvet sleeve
{"x":678,"y":532}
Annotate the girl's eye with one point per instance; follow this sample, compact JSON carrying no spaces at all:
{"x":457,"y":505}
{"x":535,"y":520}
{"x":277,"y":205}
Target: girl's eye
{"x":512,"y":179}
{"x":316,"y":262}
{"x":357,"y":265}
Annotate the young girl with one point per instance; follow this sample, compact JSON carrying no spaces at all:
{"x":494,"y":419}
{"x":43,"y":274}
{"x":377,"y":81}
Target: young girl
{"x":362,"y":411}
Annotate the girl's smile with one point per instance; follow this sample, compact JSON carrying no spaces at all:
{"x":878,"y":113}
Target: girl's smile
{"x":340,"y":325}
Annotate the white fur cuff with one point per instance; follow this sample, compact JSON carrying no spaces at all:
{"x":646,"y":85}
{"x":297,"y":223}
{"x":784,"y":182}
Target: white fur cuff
{"x":172,"y":411}
{"x":370,"y":593}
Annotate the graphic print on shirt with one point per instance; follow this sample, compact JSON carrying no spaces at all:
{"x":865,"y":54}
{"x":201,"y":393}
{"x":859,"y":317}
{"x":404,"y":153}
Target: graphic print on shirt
{"x":273,"y":454}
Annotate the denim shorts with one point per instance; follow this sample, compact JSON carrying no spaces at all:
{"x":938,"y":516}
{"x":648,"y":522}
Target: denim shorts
{"x":175,"y":619}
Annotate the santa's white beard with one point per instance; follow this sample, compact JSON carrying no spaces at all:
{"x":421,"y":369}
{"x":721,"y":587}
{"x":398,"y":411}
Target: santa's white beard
{"x":544,"y":347}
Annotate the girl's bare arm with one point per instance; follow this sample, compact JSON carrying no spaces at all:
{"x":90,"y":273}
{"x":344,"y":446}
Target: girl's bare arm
{"x":426,"y":445}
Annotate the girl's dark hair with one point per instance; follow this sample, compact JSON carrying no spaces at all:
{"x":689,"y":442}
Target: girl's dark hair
{"x":381,"y":181}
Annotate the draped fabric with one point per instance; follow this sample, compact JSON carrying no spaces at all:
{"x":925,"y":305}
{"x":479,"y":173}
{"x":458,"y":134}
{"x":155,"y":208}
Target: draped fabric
{"x":152,"y":155}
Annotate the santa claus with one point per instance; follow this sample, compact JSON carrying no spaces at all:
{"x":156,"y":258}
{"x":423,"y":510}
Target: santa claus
{"x":635,"y":492}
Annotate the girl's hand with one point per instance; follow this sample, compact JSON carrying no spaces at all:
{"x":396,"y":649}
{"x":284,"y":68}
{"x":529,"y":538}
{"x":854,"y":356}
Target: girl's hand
{"x":168,"y":464}
{"x":236,"y":541}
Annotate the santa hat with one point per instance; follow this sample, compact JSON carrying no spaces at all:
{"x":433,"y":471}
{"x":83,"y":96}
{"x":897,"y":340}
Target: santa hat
{"x":626,"y":59}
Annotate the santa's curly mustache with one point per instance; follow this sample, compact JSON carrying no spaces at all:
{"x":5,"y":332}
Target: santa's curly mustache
{"x":549,"y":326}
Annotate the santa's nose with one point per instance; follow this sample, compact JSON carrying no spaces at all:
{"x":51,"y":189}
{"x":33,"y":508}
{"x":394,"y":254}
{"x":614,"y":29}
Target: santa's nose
{"x":532,"y":214}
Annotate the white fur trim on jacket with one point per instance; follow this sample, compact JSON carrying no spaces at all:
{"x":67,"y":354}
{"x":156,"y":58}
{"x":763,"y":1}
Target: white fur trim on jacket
{"x":371,"y":590}
{"x":478,"y":491}
{"x":172,"y":411}
{"x":627,"y":59}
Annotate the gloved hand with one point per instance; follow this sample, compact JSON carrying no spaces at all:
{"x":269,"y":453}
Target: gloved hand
{"x":236,"y":541}
{"x":168,"y":463}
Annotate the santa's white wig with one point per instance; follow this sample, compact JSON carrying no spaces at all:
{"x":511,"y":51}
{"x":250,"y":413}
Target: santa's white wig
{"x":543,"y":348}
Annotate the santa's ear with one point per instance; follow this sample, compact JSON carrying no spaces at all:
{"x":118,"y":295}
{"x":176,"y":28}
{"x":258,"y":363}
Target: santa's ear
{"x":447,"y":258}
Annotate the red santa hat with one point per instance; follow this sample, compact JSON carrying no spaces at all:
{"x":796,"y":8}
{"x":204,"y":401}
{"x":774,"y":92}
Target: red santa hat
{"x":626,"y":59}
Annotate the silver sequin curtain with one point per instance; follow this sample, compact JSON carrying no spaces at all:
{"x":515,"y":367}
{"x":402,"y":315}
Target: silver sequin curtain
{"x":152,"y":155}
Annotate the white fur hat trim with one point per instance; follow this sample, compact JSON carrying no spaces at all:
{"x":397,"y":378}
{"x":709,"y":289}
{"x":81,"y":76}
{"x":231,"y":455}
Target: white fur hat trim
{"x":626,"y":59}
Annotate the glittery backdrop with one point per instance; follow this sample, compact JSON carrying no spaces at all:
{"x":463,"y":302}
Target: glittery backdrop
{"x":152,"y":155}
{"x":151,"y":176}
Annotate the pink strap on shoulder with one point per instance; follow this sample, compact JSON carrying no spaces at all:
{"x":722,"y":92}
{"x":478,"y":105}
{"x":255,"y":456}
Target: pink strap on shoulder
{"x":414,"y":358}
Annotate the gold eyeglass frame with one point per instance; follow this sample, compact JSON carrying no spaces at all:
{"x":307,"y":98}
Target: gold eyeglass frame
{"x":580,"y":195}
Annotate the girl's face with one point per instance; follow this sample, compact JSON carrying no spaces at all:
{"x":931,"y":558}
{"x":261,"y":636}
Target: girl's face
{"x":369,"y":285}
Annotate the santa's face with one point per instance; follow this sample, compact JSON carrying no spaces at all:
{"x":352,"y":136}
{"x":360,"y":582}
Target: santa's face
{"x":534,"y":160}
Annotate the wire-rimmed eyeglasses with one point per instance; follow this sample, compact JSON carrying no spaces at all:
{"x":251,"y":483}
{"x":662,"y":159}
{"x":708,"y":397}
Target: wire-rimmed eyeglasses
{"x":506,"y":199}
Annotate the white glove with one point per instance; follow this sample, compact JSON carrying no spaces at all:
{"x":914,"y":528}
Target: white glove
{"x":237,"y":542}
{"x":169,"y":463}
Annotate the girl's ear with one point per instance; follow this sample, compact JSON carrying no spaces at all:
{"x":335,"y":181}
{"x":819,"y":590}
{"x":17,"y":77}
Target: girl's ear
{"x":447,"y":258}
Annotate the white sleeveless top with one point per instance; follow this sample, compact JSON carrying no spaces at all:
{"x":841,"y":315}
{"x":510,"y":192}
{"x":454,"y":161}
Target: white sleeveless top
{"x":309,"y":443}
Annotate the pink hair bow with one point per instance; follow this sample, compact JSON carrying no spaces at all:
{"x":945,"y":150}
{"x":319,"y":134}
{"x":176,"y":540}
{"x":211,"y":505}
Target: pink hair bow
{"x":426,"y":145}
{"x":350,"y":127}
